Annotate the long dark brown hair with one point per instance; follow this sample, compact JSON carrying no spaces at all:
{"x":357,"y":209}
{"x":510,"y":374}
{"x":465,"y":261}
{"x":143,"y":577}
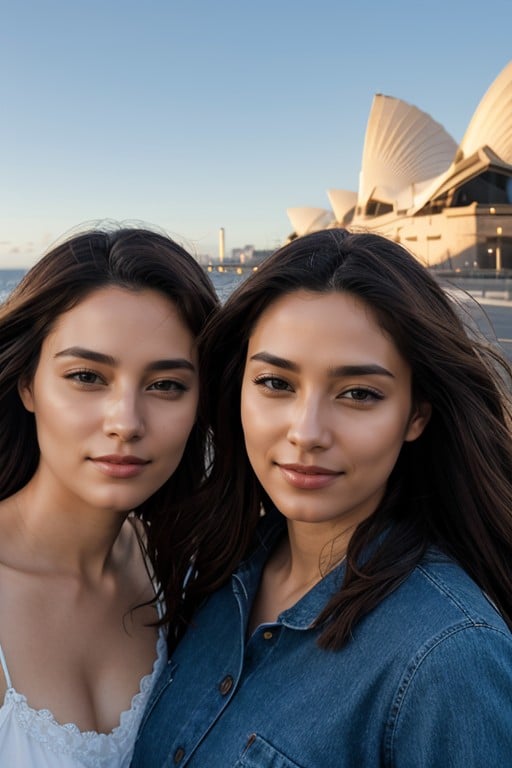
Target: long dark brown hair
{"x":452,"y":487}
{"x":135,"y":258}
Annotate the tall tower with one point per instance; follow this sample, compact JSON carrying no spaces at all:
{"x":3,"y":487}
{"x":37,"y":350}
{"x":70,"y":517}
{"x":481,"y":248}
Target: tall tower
{"x":221,"y":245}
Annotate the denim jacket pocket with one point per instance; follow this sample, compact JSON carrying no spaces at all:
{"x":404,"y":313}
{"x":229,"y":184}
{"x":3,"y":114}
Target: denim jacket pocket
{"x":258,"y":753}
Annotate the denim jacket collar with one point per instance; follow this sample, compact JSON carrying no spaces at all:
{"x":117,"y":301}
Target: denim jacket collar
{"x":247,"y":577}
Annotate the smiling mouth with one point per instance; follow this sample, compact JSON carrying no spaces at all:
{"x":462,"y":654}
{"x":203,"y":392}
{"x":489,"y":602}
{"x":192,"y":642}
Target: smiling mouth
{"x":120,"y":467}
{"x":114,"y":459}
{"x":305,"y":469}
{"x":308,"y":478}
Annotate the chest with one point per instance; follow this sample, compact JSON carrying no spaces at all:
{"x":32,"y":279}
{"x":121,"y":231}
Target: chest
{"x":58,"y":658}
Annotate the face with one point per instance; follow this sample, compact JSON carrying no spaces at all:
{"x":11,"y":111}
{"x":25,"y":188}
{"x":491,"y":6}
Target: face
{"x":326,"y":407}
{"x":114,"y":397}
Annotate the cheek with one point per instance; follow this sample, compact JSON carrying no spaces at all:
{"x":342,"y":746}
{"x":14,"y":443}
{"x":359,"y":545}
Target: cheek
{"x":245,"y":410}
{"x":371,"y":436}
{"x":57,"y":414}
{"x":177,"y":429}
{"x":256,"y":421}
{"x":383,"y":442}
{"x":251,"y":425}
{"x":55,"y":399}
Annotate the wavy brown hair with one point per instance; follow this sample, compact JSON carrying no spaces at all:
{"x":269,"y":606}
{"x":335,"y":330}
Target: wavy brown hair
{"x":135,"y":258}
{"x":452,"y":487}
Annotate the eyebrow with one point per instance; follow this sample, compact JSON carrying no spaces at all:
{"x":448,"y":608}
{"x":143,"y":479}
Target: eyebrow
{"x":99,"y":357}
{"x":370,"y":369}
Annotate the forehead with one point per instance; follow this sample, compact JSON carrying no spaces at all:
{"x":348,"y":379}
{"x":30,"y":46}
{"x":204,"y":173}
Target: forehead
{"x":305,"y":323}
{"x":112,"y":314}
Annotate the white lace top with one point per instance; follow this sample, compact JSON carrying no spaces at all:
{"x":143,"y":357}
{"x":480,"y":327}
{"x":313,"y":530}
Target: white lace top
{"x":31,"y":738}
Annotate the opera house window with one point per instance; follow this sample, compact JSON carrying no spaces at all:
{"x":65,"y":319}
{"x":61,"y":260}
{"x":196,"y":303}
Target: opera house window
{"x":488,"y":188}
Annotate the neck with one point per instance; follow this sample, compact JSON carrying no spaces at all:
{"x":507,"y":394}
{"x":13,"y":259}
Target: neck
{"x":307,"y":554}
{"x":79,"y":543}
{"x":316,"y":548}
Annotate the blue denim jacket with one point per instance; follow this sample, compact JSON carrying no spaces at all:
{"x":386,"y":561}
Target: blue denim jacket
{"x":425,"y":682}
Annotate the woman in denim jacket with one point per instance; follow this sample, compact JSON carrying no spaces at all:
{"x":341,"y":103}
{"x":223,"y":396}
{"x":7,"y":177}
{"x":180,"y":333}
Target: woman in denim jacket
{"x":362,"y":475}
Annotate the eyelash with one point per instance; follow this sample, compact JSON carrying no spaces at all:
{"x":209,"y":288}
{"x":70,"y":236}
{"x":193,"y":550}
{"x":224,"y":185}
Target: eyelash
{"x":76,"y":376}
{"x":371,"y":393}
{"x":267,"y":382}
{"x":175,"y":386}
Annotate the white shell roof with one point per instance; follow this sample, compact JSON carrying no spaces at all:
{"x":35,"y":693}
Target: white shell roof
{"x":491,"y":123}
{"x":342,"y":200}
{"x":403,"y":147}
{"x":490,"y":128}
{"x":306,"y":220}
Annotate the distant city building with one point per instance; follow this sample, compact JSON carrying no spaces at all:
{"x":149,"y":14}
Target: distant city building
{"x":259,"y":255}
{"x":203,"y":258}
{"x":243,"y":255}
{"x":449,"y":204}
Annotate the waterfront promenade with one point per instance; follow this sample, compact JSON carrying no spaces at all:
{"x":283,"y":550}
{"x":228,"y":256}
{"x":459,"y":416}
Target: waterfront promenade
{"x":499,"y":313}
{"x":488,"y":302}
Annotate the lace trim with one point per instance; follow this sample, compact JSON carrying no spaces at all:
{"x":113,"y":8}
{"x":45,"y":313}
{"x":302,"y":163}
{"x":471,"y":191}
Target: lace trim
{"x":92,"y":748}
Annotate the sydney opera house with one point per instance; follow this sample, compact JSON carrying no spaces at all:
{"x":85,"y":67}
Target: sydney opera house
{"x":449,"y":204}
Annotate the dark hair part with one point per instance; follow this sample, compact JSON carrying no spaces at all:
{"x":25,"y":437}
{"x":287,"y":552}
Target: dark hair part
{"x":452,"y":487}
{"x":135,"y":259}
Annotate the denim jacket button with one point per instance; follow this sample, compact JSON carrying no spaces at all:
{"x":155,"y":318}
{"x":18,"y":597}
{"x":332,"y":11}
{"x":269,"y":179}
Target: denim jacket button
{"x":268,"y":635}
{"x":178,"y":755}
{"x":226,"y":685}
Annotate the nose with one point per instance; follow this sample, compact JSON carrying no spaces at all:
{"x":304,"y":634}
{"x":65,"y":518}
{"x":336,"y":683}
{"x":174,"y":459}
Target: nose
{"x":123,"y":416}
{"x":309,"y":427}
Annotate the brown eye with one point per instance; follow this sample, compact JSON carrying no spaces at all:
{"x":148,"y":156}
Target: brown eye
{"x":362,"y":395}
{"x":85,"y":377}
{"x":168,"y":385}
{"x":273,"y":383}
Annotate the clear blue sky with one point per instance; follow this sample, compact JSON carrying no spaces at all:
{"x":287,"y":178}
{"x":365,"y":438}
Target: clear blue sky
{"x":200,"y":114}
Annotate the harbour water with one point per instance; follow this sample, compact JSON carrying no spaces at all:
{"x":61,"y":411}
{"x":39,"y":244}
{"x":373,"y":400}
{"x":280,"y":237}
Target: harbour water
{"x":8,"y":279}
{"x":226,"y":282}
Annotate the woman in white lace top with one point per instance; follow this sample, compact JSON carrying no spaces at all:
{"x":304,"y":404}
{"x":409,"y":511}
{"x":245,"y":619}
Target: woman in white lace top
{"x":101,"y":445}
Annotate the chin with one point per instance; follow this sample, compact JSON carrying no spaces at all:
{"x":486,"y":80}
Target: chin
{"x":120,"y":505}
{"x":307,"y":516}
